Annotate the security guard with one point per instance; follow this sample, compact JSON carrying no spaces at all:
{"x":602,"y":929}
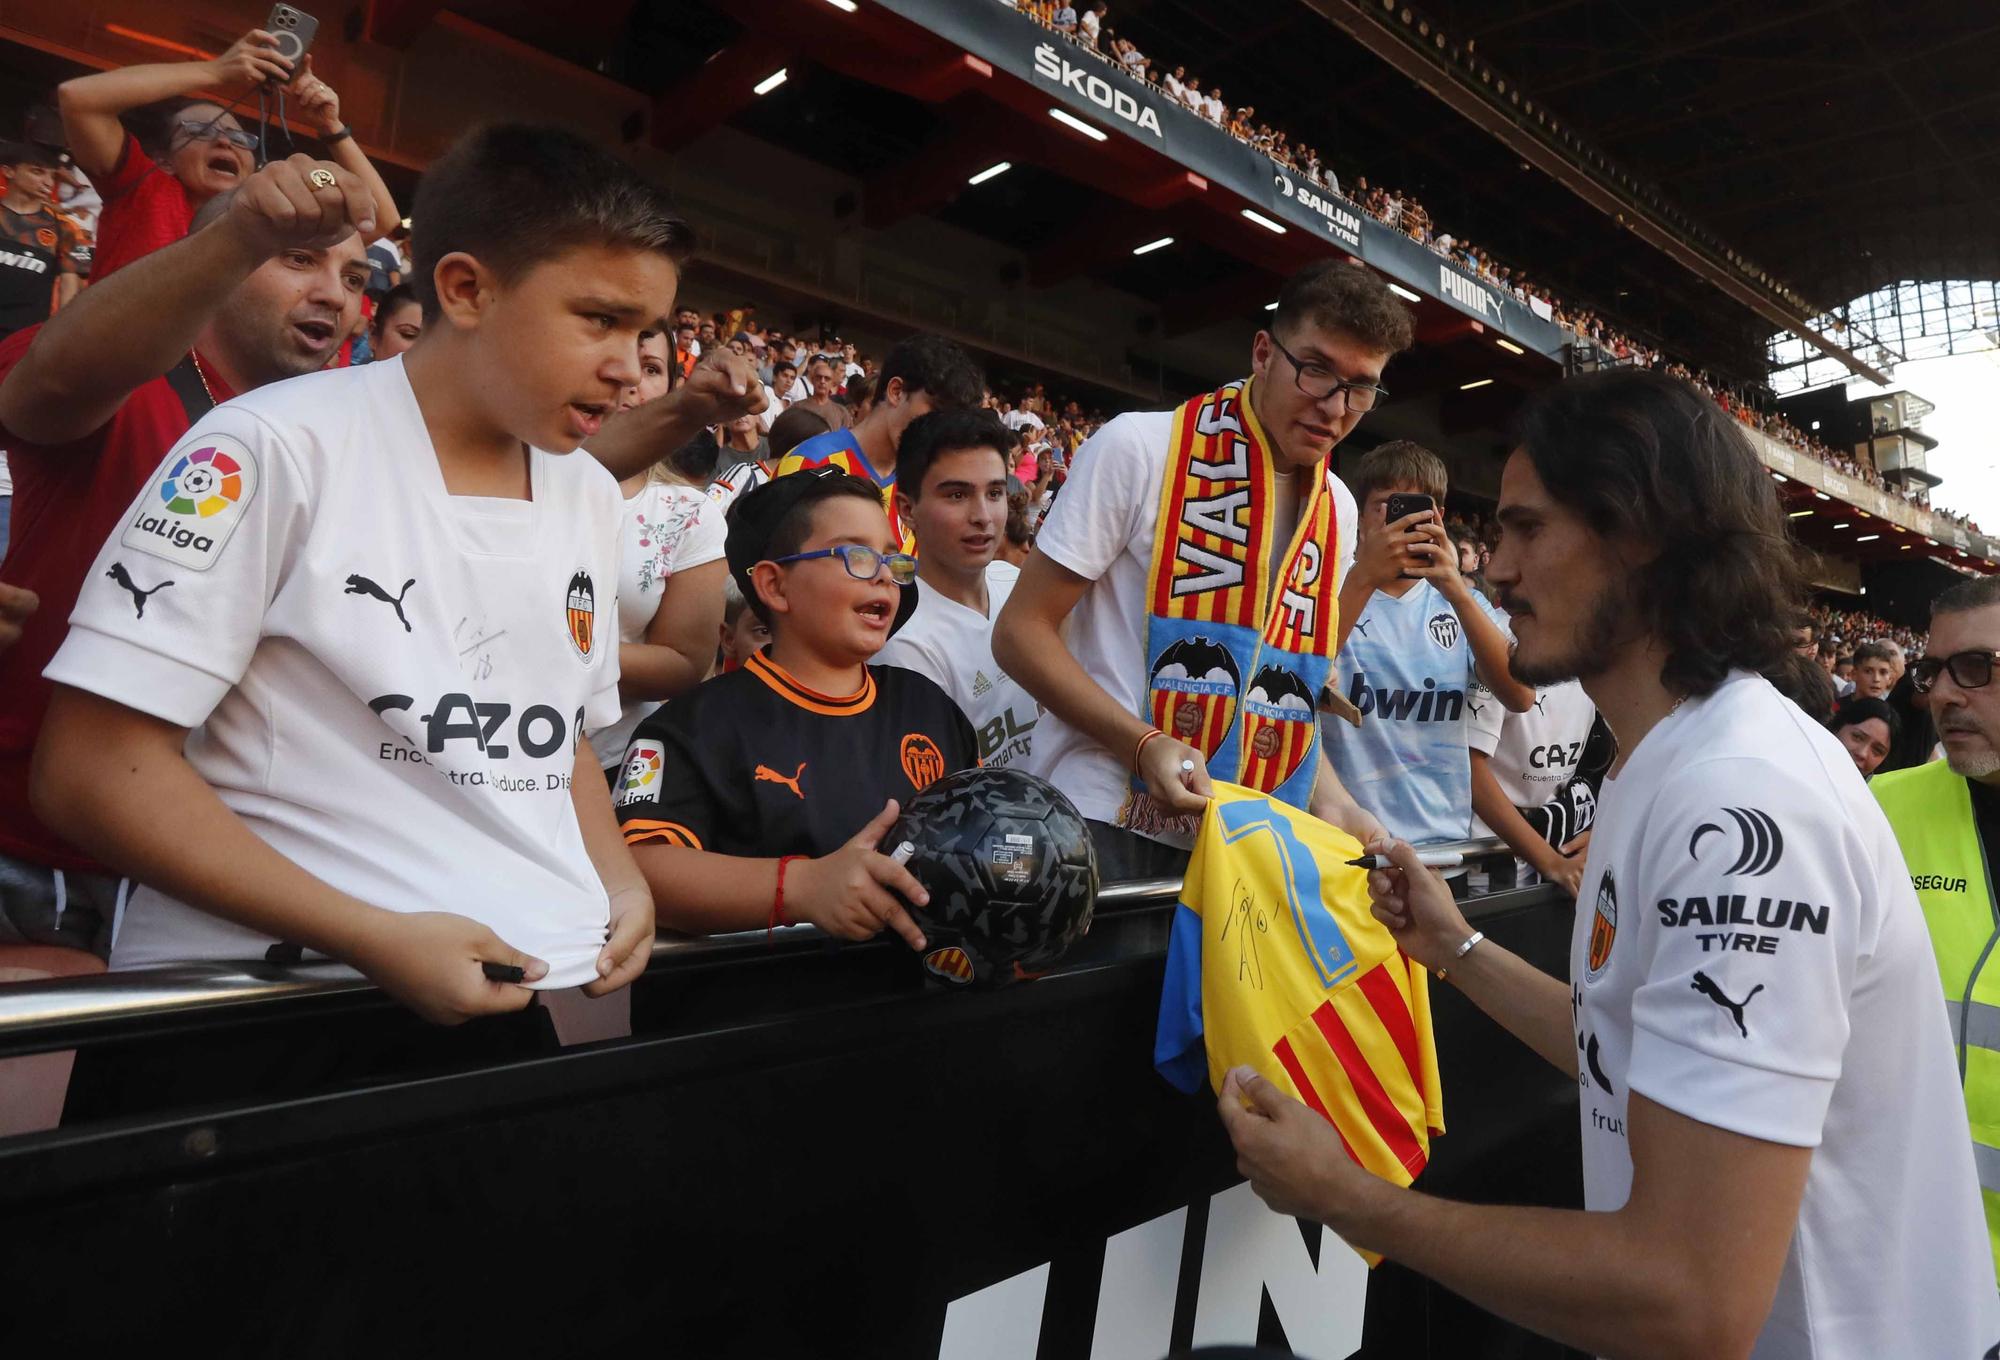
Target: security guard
{"x":1947,"y":817}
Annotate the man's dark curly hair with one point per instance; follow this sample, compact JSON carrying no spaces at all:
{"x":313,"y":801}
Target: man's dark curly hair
{"x":1646,"y":459}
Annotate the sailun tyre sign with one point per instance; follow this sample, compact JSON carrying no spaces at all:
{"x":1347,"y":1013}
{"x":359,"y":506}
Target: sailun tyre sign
{"x":1341,"y":224}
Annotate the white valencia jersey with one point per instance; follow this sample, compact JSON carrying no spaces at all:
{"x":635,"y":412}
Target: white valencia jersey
{"x":952,"y":645}
{"x":1749,"y":954}
{"x":388,"y":683}
{"x":1533,"y":754}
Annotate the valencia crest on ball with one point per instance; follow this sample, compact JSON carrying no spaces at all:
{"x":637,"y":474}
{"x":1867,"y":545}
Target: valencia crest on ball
{"x":1011,"y":872}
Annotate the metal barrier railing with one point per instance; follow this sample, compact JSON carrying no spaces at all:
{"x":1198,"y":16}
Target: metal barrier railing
{"x":78,"y":1004}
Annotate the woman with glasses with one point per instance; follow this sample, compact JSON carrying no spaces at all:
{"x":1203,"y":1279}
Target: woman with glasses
{"x":194,"y":148}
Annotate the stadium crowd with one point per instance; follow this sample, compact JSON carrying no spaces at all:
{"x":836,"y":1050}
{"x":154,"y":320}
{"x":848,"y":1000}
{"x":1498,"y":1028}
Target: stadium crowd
{"x":679,"y":613}
{"x":781,"y":586}
{"x":1090,"y":29}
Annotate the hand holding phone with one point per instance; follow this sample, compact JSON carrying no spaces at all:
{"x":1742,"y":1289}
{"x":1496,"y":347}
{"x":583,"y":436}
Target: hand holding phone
{"x":1403,"y":504}
{"x":293,"y":30}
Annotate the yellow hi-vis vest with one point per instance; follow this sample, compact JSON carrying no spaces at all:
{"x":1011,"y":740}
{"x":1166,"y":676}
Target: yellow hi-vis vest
{"x":1930,"y":809}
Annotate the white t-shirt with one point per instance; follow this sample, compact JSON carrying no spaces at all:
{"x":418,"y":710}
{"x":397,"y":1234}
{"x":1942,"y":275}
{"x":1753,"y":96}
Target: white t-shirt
{"x":1020,"y":419}
{"x":953,"y":646}
{"x":667,"y":528}
{"x":1216,"y":112}
{"x":1089,"y":24}
{"x":1748,"y":953}
{"x":385,"y":681}
{"x":732,"y":482}
{"x":1101,"y":528}
{"x":1532,"y":754}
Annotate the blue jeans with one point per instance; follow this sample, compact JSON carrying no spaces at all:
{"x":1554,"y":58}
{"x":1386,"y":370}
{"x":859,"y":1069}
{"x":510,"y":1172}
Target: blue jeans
{"x":6,"y":514}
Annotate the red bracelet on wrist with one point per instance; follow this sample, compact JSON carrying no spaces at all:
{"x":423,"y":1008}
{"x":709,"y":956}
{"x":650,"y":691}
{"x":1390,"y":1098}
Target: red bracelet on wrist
{"x":778,"y":898}
{"x":1140,"y":749}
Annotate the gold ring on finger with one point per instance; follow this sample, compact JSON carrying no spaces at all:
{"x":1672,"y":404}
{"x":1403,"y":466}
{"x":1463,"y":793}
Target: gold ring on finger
{"x":321,"y":179}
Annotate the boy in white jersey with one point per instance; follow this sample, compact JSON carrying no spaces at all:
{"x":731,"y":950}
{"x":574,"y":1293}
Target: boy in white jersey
{"x":1774,"y":1151}
{"x":951,"y":484}
{"x":1523,"y":785}
{"x":1422,"y":638}
{"x":351,"y":635}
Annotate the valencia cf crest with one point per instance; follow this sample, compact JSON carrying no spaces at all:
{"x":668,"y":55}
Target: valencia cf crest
{"x":1443,"y":629}
{"x":1278,"y":726}
{"x":923,"y":763}
{"x":1603,"y":929}
{"x":949,"y":965}
{"x":580,"y":613}
{"x":1195,"y":685}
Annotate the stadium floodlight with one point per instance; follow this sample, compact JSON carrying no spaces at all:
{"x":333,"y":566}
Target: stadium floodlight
{"x":1277,"y":228}
{"x":1403,"y":292}
{"x":1068,"y":119}
{"x":1908,"y":546}
{"x":1822,"y":495}
{"x":1779,"y":477}
{"x":770,"y":82}
{"x":1152,"y":246}
{"x":1477,"y":382}
{"x":991,"y":172}
{"x":1508,"y":345}
{"x":1796,"y":514}
{"x":1843,"y":526}
{"x":847,"y":6}
{"x":1867,"y":538}
{"x":1270,"y":306}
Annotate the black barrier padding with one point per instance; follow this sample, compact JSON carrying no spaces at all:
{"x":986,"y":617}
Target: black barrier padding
{"x":801,"y":1155}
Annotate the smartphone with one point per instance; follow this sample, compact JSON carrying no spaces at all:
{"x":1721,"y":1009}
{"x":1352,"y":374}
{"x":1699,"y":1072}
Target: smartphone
{"x":1403,"y":503}
{"x":294,"y":29}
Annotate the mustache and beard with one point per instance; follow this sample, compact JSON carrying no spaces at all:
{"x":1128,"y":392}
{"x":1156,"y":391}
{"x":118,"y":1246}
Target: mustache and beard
{"x":1607,"y":618}
{"x":1981,"y":761}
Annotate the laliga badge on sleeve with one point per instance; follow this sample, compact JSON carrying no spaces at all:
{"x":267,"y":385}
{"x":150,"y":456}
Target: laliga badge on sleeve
{"x":194,"y":502}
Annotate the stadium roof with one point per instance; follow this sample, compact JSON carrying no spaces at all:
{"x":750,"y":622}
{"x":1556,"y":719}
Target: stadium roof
{"x":1839,"y":144}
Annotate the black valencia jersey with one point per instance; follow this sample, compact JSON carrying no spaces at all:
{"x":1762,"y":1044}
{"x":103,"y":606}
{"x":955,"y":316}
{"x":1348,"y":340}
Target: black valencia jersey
{"x":753,"y":763}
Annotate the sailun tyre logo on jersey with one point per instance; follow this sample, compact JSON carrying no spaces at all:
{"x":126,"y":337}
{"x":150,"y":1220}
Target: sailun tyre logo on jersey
{"x":198,"y":499}
{"x":1759,"y":843}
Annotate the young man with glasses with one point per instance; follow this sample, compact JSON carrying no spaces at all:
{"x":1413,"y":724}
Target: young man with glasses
{"x":1178,"y":617}
{"x":151,"y":192}
{"x":1946,"y":816}
{"x":759,"y":799}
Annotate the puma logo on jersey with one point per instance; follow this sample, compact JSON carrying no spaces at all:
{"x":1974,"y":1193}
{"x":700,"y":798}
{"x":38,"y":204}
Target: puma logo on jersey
{"x":1705,"y":984}
{"x":361,"y":585}
{"x":766,"y":775}
{"x":117,"y":573}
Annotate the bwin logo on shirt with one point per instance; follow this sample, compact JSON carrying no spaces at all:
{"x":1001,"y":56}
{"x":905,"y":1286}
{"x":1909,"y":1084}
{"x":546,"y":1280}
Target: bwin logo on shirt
{"x":1429,"y":704}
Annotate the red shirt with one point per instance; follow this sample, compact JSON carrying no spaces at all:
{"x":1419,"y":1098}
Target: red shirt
{"x":67,"y":501}
{"x":144,"y":208}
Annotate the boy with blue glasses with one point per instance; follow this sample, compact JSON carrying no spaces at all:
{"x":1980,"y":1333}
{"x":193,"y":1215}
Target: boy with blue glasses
{"x":748,"y":802}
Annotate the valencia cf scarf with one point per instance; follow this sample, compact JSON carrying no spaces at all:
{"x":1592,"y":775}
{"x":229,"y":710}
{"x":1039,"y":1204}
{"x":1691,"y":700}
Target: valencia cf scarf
{"x":1236,"y":655}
